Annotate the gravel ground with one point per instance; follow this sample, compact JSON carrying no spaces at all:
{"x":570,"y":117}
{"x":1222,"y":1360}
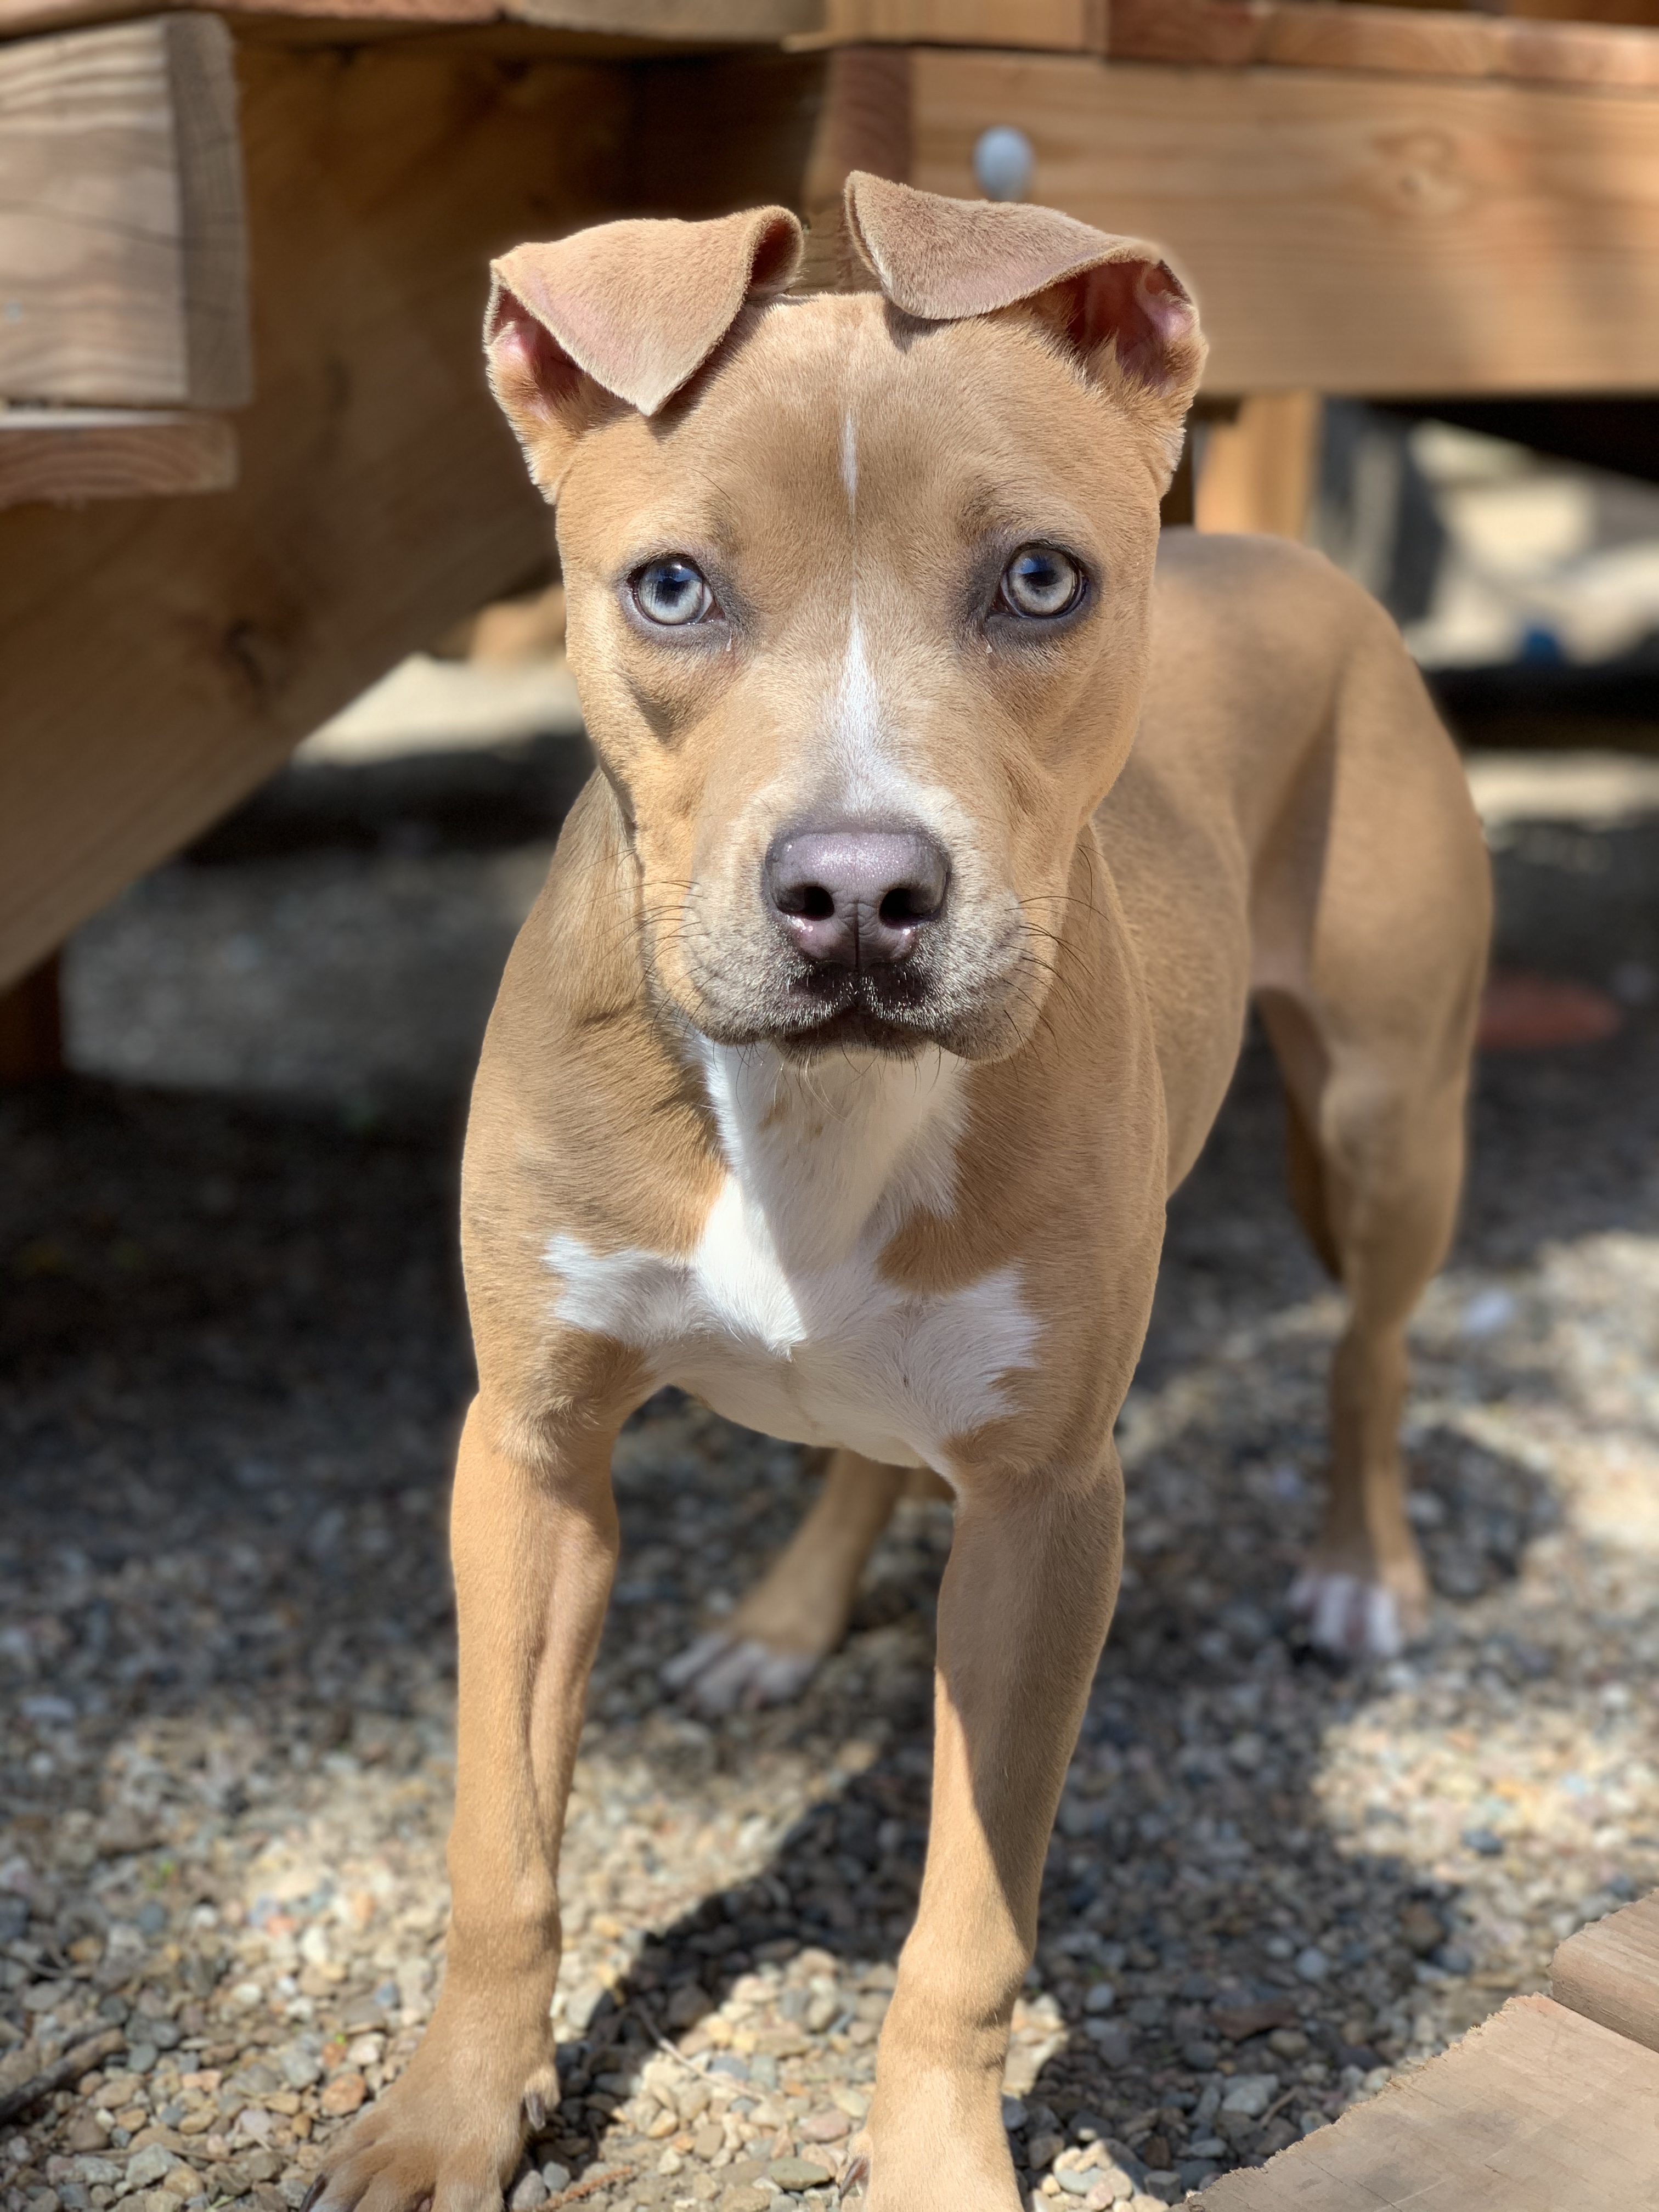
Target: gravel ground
{"x":235,"y":1366}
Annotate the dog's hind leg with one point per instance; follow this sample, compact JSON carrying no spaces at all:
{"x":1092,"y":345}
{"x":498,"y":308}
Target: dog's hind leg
{"x":1378,"y":1193}
{"x":769,"y":1649}
{"x":1380,"y":911}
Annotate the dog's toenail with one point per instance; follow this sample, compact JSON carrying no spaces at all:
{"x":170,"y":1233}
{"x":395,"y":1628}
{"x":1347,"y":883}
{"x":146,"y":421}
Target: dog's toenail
{"x":535,"y":2111}
{"x":313,"y":2192}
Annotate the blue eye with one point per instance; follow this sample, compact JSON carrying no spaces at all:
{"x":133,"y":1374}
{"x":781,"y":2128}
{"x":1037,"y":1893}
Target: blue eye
{"x":672,"y":592}
{"x":1041,"y":582}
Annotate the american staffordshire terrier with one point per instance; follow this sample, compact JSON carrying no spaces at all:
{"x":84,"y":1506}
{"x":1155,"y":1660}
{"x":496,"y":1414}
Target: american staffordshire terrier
{"x":887,"y":979}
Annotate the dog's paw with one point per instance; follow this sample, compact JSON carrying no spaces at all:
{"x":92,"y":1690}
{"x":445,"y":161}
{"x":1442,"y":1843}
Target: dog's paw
{"x":917,"y":2170}
{"x":724,"y":1672}
{"x":852,"y":2181}
{"x":1350,"y":1616}
{"x":445,"y":2137}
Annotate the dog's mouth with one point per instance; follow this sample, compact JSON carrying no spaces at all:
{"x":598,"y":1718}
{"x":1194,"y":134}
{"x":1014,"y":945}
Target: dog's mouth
{"x":895,"y":1011}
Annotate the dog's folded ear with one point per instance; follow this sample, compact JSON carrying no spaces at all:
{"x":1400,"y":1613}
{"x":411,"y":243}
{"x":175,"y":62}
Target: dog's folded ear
{"x":631,"y":309}
{"x":1114,"y":302}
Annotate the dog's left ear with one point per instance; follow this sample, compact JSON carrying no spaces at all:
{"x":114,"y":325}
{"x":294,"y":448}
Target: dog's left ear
{"x":1115,"y":302}
{"x":626,"y":311}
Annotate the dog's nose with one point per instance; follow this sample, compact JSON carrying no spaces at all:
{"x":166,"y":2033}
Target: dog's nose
{"x":856,"y":897}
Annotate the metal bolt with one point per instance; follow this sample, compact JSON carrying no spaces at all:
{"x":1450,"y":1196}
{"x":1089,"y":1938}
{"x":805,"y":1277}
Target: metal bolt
{"x":1003,"y":162}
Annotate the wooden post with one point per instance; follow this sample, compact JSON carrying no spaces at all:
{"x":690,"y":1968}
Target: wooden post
{"x":32,"y":1026}
{"x":1259,"y":472}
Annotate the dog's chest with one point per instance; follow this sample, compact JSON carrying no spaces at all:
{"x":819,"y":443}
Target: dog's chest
{"x":781,"y":1317}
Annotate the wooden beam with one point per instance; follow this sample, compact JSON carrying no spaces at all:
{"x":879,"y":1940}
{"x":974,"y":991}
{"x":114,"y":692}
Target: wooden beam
{"x":1056,"y":25}
{"x":1610,"y":1972}
{"x":687,"y":24}
{"x":123,"y":257}
{"x":158,"y":661}
{"x":1536,"y":2111}
{"x":1398,"y":41}
{"x":1346,"y":234}
{"x":1259,"y":470}
{"x":67,"y":454}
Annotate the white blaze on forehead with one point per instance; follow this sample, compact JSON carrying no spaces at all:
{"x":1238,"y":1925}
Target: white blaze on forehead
{"x":781,"y":1317}
{"x":868,"y":778}
{"x":849,"y":460}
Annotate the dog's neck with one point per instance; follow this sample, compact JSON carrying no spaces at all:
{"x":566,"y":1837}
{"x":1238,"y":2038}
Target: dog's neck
{"x":834,"y":1152}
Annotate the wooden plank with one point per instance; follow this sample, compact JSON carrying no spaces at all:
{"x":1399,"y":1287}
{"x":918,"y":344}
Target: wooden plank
{"x":1610,"y":1972}
{"x":123,"y":259}
{"x":67,"y":454}
{"x":1349,"y":234}
{"x":158,"y":661}
{"x":212,"y":219}
{"x":1399,"y":41}
{"x":1258,"y":470}
{"x":1054,"y":26}
{"x":1539,"y":2109}
{"x":685,"y":23}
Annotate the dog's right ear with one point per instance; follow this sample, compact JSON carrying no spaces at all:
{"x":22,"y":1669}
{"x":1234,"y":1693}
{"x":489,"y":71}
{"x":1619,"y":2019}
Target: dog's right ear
{"x":1113,"y":303}
{"x":629,"y":309}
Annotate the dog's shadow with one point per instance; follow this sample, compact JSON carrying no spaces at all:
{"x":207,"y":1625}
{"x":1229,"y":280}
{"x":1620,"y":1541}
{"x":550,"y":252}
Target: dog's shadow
{"x":234,"y":1339}
{"x":1196,"y":1865}
{"x":1250,"y":1910}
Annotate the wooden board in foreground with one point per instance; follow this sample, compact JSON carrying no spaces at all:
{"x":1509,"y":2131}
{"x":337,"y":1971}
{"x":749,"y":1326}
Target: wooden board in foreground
{"x":1610,"y":1972}
{"x":123,"y":257}
{"x":1358,"y":233}
{"x":1539,"y":2110}
{"x":62,"y":455}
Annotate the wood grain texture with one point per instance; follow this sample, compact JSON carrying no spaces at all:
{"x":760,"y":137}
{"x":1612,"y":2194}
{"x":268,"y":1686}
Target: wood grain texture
{"x":1610,"y":1972}
{"x":212,"y":216}
{"x":1258,"y":470}
{"x":65,"y":455}
{"x":1539,"y":2109}
{"x":1349,"y":234}
{"x":159,"y":659}
{"x":1399,"y":41}
{"x":686,"y":23}
{"x":123,"y":261}
{"x":1057,"y":26}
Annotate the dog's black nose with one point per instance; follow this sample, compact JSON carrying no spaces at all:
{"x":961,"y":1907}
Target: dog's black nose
{"x":858,"y":896}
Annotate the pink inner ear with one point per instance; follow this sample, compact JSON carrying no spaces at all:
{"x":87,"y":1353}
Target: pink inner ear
{"x":1142,"y":306}
{"x":528,"y":367}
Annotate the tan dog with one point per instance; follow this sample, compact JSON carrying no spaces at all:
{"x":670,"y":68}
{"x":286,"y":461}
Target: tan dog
{"x":878,"y":996}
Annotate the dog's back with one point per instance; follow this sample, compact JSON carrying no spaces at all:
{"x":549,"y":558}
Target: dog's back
{"x":1291,"y":800}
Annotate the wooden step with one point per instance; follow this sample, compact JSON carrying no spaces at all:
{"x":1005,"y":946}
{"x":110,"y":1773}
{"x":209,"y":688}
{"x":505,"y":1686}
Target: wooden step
{"x":1539,"y":2110}
{"x":1610,"y":1972}
{"x":1552,"y":2106}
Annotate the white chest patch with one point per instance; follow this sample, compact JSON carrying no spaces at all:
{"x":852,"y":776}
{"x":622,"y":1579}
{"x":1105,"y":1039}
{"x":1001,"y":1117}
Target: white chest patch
{"x":781,"y":1318}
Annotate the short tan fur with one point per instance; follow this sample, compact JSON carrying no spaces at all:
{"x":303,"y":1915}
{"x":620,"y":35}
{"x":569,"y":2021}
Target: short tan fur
{"x":887,"y":979}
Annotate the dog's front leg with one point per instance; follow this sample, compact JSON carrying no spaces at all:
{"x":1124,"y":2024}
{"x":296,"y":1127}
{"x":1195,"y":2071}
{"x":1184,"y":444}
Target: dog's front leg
{"x":534,"y":1550}
{"x":1023,"y":1609}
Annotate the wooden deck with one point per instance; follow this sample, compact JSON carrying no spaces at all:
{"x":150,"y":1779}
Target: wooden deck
{"x":1552,"y":2106}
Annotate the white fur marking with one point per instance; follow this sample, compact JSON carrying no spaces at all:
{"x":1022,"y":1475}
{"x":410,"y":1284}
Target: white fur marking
{"x":849,"y":461}
{"x":782,"y":1318}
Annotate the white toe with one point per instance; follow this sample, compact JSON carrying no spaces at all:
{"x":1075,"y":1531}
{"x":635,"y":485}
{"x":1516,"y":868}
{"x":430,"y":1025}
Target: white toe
{"x":1348,"y":1615}
{"x":722,"y":1674}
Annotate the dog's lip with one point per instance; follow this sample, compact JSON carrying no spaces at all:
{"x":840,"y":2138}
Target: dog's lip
{"x":856,"y":1026}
